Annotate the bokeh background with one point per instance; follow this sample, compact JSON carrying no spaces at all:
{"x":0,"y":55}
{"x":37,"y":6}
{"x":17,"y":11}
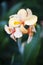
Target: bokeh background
{"x":7,"y":46}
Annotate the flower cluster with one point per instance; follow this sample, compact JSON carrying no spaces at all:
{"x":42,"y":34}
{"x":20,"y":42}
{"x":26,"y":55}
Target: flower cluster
{"x":23,"y":22}
{"x":19,"y":21}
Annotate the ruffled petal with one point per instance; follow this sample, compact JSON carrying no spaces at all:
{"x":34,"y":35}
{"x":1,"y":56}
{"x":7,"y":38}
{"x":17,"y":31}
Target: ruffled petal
{"x":32,"y":20}
{"x":29,"y":12}
{"x":22,"y":13}
{"x":7,"y":29}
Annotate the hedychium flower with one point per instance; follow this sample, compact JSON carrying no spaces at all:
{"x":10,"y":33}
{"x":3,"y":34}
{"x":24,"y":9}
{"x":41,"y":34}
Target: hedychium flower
{"x":14,"y":30}
{"x":16,"y":26}
{"x":18,"y":34}
{"x":30,"y":21}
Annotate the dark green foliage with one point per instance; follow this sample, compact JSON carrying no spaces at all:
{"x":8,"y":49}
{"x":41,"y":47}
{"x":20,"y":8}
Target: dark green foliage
{"x":9,"y":54}
{"x":32,"y":49}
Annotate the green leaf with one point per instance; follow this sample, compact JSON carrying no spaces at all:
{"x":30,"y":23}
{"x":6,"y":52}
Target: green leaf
{"x":32,"y":3}
{"x":14,"y":9}
{"x":32,"y":49}
{"x":5,"y":41}
{"x":12,"y":60}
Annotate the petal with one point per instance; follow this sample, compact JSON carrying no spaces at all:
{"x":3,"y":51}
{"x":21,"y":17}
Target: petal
{"x":13,"y":20}
{"x":15,"y":16}
{"x":29,"y":39}
{"x":12,"y":36}
{"x":7,"y":29}
{"x":23,"y":30}
{"x":22,"y":13}
{"x":11,"y":16}
{"x":32,"y":20}
{"x":29,"y":11}
{"x":18,"y":33}
{"x":33,"y":29}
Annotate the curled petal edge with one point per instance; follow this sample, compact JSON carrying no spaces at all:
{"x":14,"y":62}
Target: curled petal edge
{"x":7,"y":29}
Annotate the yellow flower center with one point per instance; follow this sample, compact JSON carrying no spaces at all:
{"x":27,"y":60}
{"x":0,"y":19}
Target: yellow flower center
{"x":17,"y":22}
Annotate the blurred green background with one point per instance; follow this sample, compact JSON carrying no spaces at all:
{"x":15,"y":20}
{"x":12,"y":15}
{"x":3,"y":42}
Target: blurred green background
{"x":9,"y":48}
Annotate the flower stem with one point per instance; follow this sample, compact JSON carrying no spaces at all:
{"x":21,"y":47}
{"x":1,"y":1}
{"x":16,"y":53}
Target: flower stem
{"x":20,"y":46}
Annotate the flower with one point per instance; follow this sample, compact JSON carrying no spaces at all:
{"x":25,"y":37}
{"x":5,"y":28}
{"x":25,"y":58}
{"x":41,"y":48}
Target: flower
{"x":18,"y":21}
{"x":16,"y":26}
{"x":30,"y":20}
{"x":13,"y":29}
